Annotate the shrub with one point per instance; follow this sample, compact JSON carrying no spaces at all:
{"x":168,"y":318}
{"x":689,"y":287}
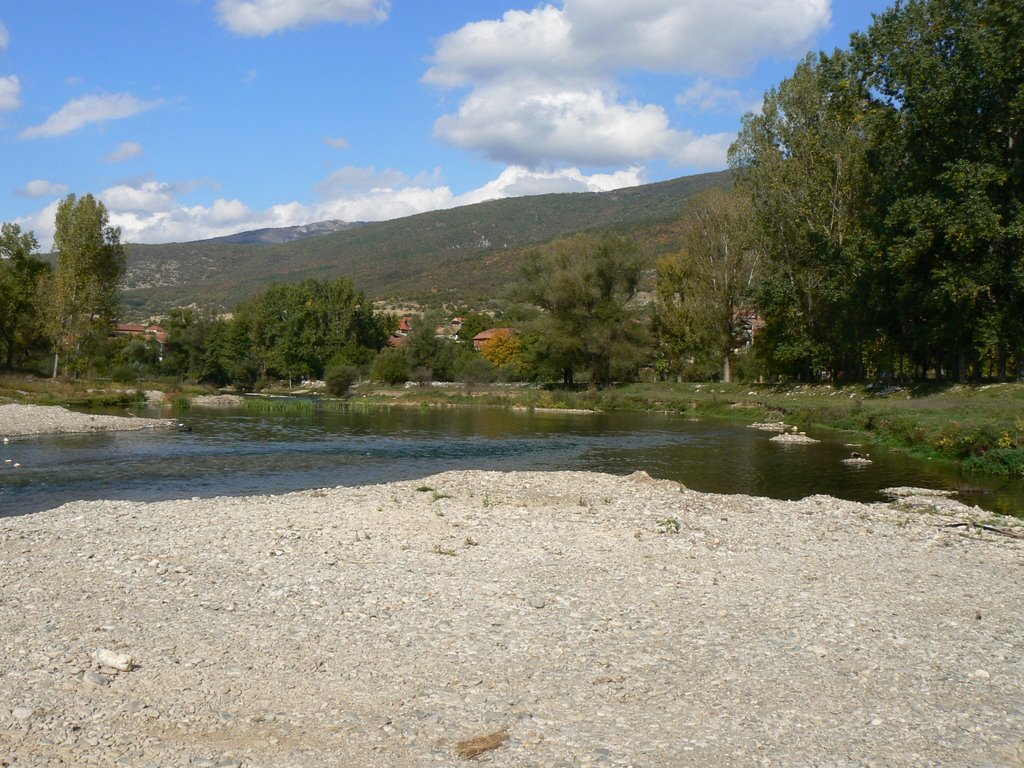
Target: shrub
{"x":476,"y":370}
{"x":340,"y":379}
{"x":1008,"y":462}
{"x":391,"y":367}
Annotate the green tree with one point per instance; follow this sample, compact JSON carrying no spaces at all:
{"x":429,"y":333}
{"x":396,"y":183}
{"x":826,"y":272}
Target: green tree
{"x":22,"y":278}
{"x":946,"y":85}
{"x":391,"y":366}
{"x":428,"y":352}
{"x":299,"y":329}
{"x":585,"y":284}
{"x":801,"y":165}
{"x":91,"y":264}
{"x":704,"y":288}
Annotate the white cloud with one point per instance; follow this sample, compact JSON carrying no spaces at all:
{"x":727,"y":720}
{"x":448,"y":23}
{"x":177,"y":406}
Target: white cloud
{"x":337,"y":142}
{"x":41,"y":188}
{"x":139,"y":197}
{"x":708,"y":97}
{"x":125,"y":151}
{"x":517,"y":181}
{"x":537,"y":41}
{"x":5,"y":37}
{"x":713,"y":36}
{"x":542,"y":84}
{"x":349,"y":180}
{"x":10,"y":93}
{"x":536,"y":124}
{"x":79,"y":113}
{"x":264,"y":17}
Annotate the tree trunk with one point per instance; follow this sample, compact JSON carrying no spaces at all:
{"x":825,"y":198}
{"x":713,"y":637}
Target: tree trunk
{"x":727,"y":370}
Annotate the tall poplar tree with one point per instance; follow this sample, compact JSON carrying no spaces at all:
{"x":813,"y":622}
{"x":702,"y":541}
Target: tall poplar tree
{"x":91,"y":264}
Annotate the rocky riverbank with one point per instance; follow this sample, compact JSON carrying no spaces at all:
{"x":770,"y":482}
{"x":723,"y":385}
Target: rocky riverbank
{"x":18,"y":419}
{"x":560,"y":619}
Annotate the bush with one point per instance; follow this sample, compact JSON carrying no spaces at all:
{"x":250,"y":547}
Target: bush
{"x":124,"y":374}
{"x":476,"y":370}
{"x":340,"y":379}
{"x":1008,"y":462}
{"x":391,"y":367}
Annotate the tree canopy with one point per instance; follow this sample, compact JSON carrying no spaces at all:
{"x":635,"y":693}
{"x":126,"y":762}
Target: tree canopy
{"x":91,"y":264}
{"x":585,"y":284}
{"x":886,"y":181}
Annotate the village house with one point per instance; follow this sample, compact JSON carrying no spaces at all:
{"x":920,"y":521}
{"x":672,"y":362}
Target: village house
{"x":484,"y":337}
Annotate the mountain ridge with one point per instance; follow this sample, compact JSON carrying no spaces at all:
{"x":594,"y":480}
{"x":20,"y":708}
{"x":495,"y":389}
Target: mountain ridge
{"x":466,"y":253}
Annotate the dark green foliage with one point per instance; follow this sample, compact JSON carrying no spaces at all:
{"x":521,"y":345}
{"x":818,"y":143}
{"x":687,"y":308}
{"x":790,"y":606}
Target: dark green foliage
{"x":390,"y":367}
{"x":585,"y":285}
{"x":294,"y":330}
{"x":340,"y":378}
{"x":23,"y":279}
{"x":475,"y":370}
{"x":427,"y":351}
{"x":887,"y":181}
{"x":1008,"y":462}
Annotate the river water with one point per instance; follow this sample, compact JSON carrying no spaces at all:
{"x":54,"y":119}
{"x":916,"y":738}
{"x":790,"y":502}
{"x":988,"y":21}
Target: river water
{"x":239,"y":451}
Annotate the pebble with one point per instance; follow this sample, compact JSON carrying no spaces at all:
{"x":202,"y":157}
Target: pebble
{"x":820,"y":622}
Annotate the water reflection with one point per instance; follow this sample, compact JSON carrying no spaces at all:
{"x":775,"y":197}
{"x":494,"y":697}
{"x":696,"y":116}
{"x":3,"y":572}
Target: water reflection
{"x":232,"y":452}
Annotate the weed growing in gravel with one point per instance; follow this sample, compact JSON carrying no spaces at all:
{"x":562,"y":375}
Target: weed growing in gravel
{"x":424,"y":489}
{"x":439,"y":550}
{"x":669,"y":525}
{"x":437,"y":496}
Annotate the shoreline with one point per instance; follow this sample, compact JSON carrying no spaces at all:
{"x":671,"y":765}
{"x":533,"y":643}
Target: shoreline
{"x":22,"y":420}
{"x":597,"y":620}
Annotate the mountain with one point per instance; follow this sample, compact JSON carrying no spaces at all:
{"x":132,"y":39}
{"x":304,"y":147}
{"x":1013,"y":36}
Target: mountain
{"x":469,"y":253}
{"x":278,"y":235}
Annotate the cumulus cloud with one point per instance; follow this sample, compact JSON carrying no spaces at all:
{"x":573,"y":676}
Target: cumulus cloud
{"x":349,"y":180}
{"x":126,"y":150}
{"x":542,"y":84}
{"x":41,"y":188}
{"x":707,"y":97}
{"x":79,"y":113}
{"x":264,"y":17}
{"x":536,"y":124}
{"x":517,"y":181}
{"x":10,"y":93}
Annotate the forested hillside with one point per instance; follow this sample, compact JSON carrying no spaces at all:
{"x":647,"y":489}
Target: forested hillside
{"x":468,"y":253}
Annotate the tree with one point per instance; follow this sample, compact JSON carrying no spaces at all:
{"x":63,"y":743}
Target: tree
{"x":801,"y":165}
{"x":946,"y":85}
{"x":432,"y":355}
{"x":505,"y":353}
{"x":91,"y":264}
{"x":299,"y":329}
{"x":702,"y":290}
{"x":585,"y":284}
{"x":391,"y":366}
{"x":22,"y":276}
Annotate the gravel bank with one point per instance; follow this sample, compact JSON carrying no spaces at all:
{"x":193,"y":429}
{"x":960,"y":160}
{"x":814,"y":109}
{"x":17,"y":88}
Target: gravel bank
{"x":594,"y":620}
{"x":17,"y":419}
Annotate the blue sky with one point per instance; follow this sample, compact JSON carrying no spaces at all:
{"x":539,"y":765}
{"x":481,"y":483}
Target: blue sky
{"x":197,"y":118}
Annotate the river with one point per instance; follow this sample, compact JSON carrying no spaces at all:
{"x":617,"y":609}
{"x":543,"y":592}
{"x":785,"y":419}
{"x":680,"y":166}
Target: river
{"x":242,"y":451}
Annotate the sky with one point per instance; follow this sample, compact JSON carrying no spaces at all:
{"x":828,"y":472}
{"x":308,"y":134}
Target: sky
{"x":192,"y":119}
